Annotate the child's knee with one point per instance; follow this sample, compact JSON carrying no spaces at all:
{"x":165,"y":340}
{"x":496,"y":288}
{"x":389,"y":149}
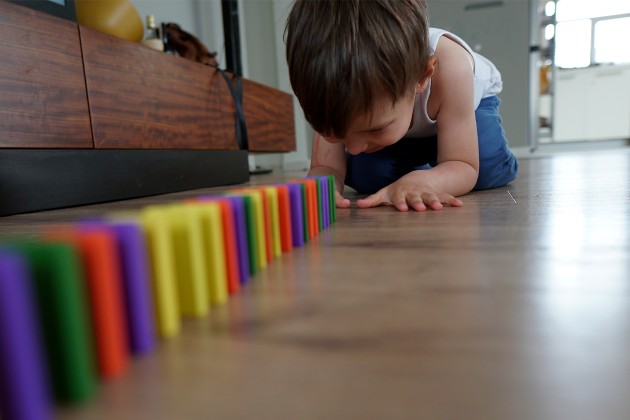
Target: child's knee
{"x":497,"y":175}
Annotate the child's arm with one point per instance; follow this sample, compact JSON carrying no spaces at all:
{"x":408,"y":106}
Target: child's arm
{"x":458,"y":155}
{"x":330,"y":159}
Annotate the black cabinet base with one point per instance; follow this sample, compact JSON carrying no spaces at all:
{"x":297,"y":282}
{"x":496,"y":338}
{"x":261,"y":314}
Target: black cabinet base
{"x":44,"y":179}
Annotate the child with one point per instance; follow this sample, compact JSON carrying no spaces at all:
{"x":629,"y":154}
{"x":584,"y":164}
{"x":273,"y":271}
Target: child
{"x":401,"y":111}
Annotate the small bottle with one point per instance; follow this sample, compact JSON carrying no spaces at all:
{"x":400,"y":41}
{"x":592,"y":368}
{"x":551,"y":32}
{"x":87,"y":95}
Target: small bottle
{"x":153,"y":38}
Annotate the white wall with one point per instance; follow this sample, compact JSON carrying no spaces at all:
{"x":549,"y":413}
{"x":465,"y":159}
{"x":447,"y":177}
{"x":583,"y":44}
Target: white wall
{"x":262,"y":28}
{"x":501,"y":33}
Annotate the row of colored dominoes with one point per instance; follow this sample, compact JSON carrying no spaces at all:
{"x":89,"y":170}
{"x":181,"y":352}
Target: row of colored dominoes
{"x":76,"y":303}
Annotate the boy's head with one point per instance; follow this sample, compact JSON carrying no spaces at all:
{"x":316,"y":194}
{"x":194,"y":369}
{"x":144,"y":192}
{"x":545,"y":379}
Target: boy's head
{"x":345,"y":56}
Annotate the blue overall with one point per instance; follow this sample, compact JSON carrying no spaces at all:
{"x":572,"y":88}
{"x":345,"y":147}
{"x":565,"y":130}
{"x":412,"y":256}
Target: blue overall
{"x":369,"y":172}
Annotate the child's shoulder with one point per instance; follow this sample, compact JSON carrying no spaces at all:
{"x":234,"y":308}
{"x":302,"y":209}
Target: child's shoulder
{"x":454,"y":64}
{"x":453,"y":77}
{"x":450,"y":52}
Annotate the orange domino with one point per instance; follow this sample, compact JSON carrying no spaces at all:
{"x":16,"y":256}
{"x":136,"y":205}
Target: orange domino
{"x":284,"y":210}
{"x":311,"y":202}
{"x":231,"y":255}
{"x":267,"y":223}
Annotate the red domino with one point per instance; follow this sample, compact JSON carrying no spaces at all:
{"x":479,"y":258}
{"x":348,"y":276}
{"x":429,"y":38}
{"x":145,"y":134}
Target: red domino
{"x":311,"y":203}
{"x":284,"y":208}
{"x":98,"y":251}
{"x":231,"y":255}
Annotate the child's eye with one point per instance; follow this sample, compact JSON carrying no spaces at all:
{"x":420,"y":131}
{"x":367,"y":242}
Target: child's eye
{"x":376,"y":131}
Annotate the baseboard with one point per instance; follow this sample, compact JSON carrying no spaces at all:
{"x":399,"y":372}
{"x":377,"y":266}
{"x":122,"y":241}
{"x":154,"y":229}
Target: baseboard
{"x":296,"y":165}
{"x":560,"y":148}
{"x":43,"y":179}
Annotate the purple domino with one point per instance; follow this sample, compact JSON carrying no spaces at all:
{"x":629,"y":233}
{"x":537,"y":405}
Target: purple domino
{"x":23,"y":380}
{"x":134,"y":264}
{"x":297,"y":217}
{"x":240,"y":224}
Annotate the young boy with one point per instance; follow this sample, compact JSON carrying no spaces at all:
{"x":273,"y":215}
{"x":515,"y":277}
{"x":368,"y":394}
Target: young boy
{"x":401,"y":111}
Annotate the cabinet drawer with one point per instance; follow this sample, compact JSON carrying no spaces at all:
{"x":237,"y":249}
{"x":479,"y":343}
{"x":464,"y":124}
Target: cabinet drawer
{"x":144,"y":99}
{"x":43,"y":102}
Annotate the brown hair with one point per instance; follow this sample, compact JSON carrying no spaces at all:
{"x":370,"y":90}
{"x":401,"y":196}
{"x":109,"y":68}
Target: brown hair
{"x":344,"y":54}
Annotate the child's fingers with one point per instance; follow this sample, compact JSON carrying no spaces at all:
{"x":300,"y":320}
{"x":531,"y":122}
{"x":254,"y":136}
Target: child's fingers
{"x":433,"y":202}
{"x":340,"y":201}
{"x":415,"y":202}
{"x":373,"y":200}
{"x":404,"y":200}
{"x":399,"y":200}
{"x":452,"y":201}
{"x":449,"y":200}
{"x":437,"y":201}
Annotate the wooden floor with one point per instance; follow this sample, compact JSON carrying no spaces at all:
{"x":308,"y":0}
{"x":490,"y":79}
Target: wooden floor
{"x":515,"y":306}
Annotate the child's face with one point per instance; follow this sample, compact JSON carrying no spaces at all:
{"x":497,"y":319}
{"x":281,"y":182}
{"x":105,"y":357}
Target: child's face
{"x":389,"y":123}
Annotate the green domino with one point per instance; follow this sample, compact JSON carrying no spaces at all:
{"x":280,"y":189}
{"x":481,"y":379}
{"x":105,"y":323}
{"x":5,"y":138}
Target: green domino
{"x":331,"y":192}
{"x":305,"y":212}
{"x":63,"y":315}
{"x":252,"y":249}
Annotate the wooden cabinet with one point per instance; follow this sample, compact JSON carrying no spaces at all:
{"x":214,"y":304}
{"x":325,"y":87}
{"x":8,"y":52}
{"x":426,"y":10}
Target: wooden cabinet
{"x":86,"y":117}
{"x":144,"y":99}
{"x":67,"y":86}
{"x":43,"y":101}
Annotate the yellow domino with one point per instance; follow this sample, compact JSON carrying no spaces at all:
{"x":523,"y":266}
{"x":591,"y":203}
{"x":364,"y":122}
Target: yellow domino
{"x":156,"y":222}
{"x":212,"y":232}
{"x":274,"y":217}
{"x":192,"y":276}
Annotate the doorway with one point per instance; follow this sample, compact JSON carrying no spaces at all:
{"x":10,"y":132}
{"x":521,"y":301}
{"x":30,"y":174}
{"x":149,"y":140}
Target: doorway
{"x":584,"y":71}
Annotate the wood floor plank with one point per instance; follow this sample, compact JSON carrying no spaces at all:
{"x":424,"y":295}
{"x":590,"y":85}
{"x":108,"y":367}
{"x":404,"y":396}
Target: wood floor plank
{"x":515,"y":306}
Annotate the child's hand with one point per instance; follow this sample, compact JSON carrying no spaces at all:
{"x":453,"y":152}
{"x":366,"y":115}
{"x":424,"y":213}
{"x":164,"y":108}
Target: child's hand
{"x":406,"y":193}
{"x":340,"y":202}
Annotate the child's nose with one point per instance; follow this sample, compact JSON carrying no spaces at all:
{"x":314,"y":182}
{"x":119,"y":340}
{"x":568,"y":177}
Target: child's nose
{"x":355,"y":148}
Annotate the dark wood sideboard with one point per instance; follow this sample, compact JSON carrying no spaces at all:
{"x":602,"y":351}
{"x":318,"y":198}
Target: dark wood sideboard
{"x":86,"y":117}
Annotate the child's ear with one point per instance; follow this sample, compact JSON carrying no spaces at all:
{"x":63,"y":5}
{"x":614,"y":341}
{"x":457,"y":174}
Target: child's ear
{"x":424,"y":80}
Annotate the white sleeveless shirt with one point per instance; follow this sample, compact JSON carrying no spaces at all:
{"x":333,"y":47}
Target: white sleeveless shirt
{"x":486,"y":82}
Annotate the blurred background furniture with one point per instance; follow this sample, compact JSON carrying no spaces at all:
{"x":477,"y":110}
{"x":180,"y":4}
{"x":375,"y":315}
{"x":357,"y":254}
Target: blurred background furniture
{"x":88,"y":117}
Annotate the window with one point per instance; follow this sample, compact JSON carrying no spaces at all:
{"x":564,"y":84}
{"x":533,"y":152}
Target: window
{"x":584,"y":9}
{"x":573,"y":43}
{"x":591,"y":32}
{"x":609,"y":34}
